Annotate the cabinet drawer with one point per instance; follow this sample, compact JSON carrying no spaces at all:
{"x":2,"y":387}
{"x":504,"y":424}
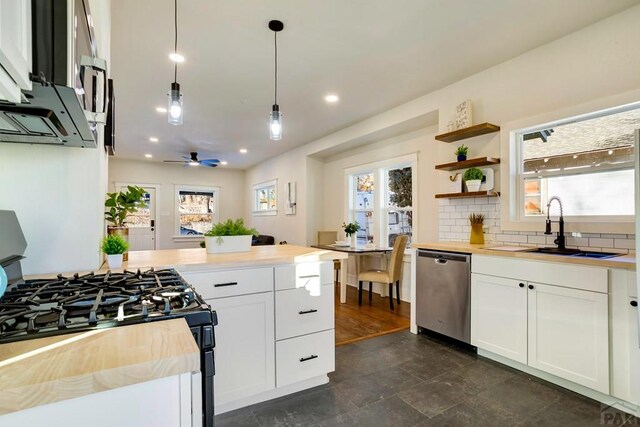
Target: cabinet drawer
{"x":304,"y":274}
{"x":300,"y":313}
{"x":226,"y":283}
{"x":301,"y":358}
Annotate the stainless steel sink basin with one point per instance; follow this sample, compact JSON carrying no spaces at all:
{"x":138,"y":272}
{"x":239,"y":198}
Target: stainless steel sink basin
{"x":575,"y":253}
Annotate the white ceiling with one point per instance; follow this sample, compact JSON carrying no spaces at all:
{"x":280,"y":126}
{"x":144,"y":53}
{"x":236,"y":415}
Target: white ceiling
{"x":375,"y":54}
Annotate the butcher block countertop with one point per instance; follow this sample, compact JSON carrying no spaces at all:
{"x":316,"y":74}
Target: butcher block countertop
{"x":46,"y":370}
{"x":627,"y":261}
{"x":195,"y":259}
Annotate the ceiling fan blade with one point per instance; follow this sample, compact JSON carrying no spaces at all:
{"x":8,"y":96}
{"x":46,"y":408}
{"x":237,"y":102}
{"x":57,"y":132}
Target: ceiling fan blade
{"x":187,"y":158}
{"x":174,"y":161}
{"x":209,"y":165}
{"x":209,"y":162}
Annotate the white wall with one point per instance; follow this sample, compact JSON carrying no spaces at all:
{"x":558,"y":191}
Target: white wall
{"x":58,"y":192}
{"x":230,"y":181}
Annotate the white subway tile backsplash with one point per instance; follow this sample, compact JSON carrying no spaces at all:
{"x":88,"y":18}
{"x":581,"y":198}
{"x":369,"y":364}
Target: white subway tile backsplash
{"x":624,"y":243}
{"x":603,"y":243}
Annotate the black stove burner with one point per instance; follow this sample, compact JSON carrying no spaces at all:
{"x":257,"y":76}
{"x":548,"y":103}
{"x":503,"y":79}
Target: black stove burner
{"x":69,"y":304}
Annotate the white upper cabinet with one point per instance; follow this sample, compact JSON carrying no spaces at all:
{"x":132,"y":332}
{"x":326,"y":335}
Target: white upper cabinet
{"x":15,"y":48}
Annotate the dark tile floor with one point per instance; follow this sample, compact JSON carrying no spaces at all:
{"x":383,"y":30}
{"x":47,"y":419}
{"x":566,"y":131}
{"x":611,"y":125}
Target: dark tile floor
{"x":406,"y":380}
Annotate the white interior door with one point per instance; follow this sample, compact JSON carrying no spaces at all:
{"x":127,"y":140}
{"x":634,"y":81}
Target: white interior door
{"x":142,"y":224}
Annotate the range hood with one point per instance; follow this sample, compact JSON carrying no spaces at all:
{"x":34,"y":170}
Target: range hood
{"x":55,"y":119}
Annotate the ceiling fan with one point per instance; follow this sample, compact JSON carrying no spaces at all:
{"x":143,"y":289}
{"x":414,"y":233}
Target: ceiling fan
{"x":193,"y":161}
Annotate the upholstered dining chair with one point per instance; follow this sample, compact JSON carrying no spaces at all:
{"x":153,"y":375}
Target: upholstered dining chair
{"x":329,"y":238}
{"x":392,"y":275}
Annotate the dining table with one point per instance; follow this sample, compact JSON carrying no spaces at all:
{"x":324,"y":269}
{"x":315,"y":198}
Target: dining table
{"x":356,"y":252}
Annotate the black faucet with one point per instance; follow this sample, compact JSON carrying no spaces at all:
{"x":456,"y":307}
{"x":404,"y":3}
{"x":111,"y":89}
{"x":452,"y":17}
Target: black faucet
{"x":560,"y":240}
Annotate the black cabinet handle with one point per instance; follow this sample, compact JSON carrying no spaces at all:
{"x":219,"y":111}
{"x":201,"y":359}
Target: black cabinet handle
{"x":304,"y":359}
{"x":521,"y":285}
{"x":310,"y":276}
{"x":634,"y":303}
{"x":220,"y":285}
{"x":313,"y":310}
{"x":530,"y":286}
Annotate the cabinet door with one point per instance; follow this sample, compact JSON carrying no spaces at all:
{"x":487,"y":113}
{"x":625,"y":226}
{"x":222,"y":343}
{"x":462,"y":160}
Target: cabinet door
{"x":499,"y":316}
{"x":634,"y":350}
{"x":245,"y":349}
{"x":568,"y":334}
{"x":15,"y":40}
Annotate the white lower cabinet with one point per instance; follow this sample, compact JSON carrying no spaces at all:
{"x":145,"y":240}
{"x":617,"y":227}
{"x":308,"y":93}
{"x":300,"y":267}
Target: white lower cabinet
{"x":299,"y":313}
{"x":305,"y":357}
{"x":568,"y":334}
{"x":634,"y":349}
{"x":499,"y":316}
{"x":244,"y":353}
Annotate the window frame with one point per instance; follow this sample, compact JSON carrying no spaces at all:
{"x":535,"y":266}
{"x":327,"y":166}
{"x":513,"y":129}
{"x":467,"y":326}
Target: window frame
{"x":381,"y":209}
{"x":512,"y":215}
{"x":215,"y":217}
{"x":254,"y":195}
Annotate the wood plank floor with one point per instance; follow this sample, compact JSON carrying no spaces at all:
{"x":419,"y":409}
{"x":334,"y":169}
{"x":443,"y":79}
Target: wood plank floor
{"x":355,"y":323}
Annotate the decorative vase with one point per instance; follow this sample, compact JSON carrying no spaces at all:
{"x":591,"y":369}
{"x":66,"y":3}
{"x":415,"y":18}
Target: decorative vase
{"x":225,"y":244}
{"x":122,"y":232}
{"x":462,"y":157}
{"x":354,"y":240}
{"x":473,"y":185}
{"x":477,"y":235}
{"x":115,"y":261}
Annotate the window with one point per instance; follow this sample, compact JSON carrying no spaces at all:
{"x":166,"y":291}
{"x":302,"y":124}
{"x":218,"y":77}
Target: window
{"x":588,"y":162}
{"x":196,"y":210}
{"x":265,"y":198}
{"x":381,"y":200}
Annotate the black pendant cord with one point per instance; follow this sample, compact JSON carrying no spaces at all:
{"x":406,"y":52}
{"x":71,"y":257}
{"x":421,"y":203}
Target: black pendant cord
{"x":275,"y":42}
{"x":175,"y":43}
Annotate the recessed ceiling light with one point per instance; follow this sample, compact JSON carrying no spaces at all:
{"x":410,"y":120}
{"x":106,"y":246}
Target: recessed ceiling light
{"x":176,"y":57}
{"x":153,"y":139}
{"x":223,"y":163}
{"x":148,"y":156}
{"x":244,"y":151}
{"x":332,"y":99}
{"x":161,"y":109}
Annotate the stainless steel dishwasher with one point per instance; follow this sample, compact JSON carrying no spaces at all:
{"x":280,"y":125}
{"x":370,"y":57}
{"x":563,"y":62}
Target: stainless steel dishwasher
{"x":443,"y":293}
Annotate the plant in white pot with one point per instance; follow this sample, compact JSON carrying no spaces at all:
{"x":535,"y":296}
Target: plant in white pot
{"x":229,"y":236}
{"x":114,"y":246}
{"x":351,"y":230}
{"x":473,"y":179}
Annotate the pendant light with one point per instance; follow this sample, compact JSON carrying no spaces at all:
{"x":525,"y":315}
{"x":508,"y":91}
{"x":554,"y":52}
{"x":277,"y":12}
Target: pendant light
{"x":275,"y":119}
{"x":174,"y":109}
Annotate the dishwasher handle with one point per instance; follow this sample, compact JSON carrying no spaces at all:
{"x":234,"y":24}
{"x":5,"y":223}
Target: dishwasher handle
{"x":440,"y":261}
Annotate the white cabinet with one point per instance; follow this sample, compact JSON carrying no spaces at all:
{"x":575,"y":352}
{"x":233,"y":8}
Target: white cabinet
{"x":305,"y":357}
{"x":568,"y":334}
{"x":298,"y":312}
{"x":499,"y":316}
{"x":634,"y":350}
{"x":244,"y":353}
{"x":15,"y":48}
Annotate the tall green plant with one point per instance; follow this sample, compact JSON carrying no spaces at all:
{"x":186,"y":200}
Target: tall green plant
{"x":123,"y":203}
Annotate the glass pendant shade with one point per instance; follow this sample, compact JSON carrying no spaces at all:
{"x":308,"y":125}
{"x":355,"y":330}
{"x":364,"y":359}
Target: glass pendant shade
{"x":174,"y":106}
{"x":275,"y":123}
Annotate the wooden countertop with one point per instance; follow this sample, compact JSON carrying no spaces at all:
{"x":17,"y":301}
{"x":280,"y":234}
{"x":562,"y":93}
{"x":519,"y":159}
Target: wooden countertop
{"x":627,"y":261}
{"x":46,"y":370}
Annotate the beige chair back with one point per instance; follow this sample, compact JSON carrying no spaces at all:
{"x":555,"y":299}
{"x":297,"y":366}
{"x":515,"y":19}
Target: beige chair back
{"x":395,"y":261}
{"x":327,"y":237}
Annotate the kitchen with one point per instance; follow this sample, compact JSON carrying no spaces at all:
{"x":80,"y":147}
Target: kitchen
{"x":532,"y":79}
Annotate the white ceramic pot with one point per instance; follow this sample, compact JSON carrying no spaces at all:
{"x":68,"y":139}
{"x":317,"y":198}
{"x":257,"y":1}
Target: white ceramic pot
{"x":114,"y":261}
{"x":224,"y":244}
{"x":354,"y":240}
{"x":473,"y":185}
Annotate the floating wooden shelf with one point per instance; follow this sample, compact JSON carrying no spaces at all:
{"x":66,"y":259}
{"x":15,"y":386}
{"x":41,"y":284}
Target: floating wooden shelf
{"x":482,"y":161}
{"x":470,"y":132}
{"x":469,"y":194}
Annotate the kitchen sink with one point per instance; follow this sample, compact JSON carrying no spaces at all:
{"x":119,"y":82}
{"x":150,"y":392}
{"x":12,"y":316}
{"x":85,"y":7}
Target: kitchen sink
{"x":575,"y":253}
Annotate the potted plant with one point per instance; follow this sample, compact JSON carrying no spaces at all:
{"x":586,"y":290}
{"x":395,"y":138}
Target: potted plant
{"x":229,"y":236}
{"x":461,"y":152}
{"x":473,"y":179}
{"x":114,"y":245}
{"x":120,"y":204}
{"x":477,"y":235}
{"x":350,"y":230}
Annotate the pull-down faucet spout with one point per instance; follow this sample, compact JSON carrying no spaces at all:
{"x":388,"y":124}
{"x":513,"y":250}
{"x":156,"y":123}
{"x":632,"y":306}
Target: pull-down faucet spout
{"x":560,"y":240}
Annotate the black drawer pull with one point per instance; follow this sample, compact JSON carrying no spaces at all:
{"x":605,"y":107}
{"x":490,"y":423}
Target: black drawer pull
{"x":220,"y":285}
{"x":634,"y":303}
{"x":310,"y":276}
{"x":304,"y":359}
{"x":313,"y":310}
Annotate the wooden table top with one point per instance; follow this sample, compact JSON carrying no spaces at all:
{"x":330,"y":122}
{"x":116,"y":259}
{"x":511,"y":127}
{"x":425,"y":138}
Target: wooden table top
{"x":353,"y":250}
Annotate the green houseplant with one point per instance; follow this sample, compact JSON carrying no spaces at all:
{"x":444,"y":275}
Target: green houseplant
{"x":120,"y":204}
{"x":229,"y":236}
{"x":461,"y":152}
{"x":473,"y":179}
{"x":114,"y":245}
{"x":350,"y":230}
